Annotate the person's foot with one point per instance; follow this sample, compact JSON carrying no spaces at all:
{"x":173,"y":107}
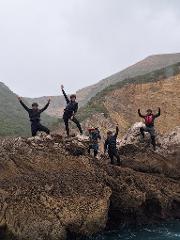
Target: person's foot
{"x":142,"y":135}
{"x":119,"y":164}
{"x":154,"y":148}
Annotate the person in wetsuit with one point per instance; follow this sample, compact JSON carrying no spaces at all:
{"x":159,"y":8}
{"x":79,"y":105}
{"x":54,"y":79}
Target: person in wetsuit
{"x":110,"y":144}
{"x":35,"y":117}
{"x":94,"y":136}
{"x":149,"y":119}
{"x":70,"y":111}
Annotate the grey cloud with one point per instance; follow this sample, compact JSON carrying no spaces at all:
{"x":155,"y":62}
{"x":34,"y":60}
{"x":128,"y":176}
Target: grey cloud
{"x":78,"y":42}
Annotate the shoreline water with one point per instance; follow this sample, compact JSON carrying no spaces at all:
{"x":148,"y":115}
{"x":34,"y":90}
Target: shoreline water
{"x":165,"y":231}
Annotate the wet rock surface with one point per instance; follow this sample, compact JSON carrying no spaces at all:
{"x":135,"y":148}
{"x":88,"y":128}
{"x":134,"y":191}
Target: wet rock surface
{"x":51,"y":188}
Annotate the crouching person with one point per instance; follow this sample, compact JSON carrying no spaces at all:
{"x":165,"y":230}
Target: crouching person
{"x":35,"y":117}
{"x":94,"y":136}
{"x":111,"y":145}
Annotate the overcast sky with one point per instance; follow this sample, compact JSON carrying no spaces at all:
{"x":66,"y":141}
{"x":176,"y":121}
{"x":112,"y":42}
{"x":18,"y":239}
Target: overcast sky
{"x":44,"y":43}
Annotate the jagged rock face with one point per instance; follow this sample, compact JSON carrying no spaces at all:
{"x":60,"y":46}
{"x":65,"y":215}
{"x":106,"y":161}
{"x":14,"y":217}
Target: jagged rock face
{"x":51,"y":187}
{"x":122,"y":103}
{"x":138,"y":152}
{"x":45,"y":192}
{"x":170,"y":144}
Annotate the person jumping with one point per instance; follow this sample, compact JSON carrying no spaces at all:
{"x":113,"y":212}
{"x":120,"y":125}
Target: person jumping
{"x":110,"y":144}
{"x":35,"y":117}
{"x":94,"y":136}
{"x":70,"y":111}
{"x":149,"y":125}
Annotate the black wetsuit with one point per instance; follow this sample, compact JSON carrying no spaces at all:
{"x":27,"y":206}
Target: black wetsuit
{"x":35,"y":118}
{"x":93,"y":137}
{"x":69,"y":111}
{"x":110,"y":143}
{"x":149,"y":126}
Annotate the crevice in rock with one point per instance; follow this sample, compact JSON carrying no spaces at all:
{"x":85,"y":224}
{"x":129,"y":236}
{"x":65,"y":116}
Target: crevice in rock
{"x":152,"y":208}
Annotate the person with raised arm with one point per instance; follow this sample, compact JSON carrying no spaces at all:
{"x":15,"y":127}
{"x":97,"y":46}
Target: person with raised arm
{"x":35,"y":117}
{"x":111,"y":145}
{"x":70,"y":111}
{"x":149,"y":119}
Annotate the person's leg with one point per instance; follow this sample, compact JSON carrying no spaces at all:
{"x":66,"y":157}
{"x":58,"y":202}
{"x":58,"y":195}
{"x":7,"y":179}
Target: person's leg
{"x":116,"y":154}
{"x":96,"y":148}
{"x":111,"y":156}
{"x":89,"y":149}
{"x":42,"y":128}
{"x":95,"y":153}
{"x":142,"y":131}
{"x":66,"y":122}
{"x":77,"y":124}
{"x":33,"y":130}
{"x":153,"y":138}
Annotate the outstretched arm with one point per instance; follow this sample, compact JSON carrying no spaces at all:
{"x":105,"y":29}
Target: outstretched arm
{"x":46,"y":106}
{"x":64,"y":93}
{"x":158,"y":114}
{"x":23,"y":104}
{"x":139,"y":112}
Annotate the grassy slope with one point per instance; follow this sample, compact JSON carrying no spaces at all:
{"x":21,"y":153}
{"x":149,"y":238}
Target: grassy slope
{"x":13,"y":119}
{"x":96,"y":103}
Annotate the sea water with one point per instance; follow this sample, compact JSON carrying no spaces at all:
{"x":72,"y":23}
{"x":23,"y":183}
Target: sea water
{"x":165,"y":231}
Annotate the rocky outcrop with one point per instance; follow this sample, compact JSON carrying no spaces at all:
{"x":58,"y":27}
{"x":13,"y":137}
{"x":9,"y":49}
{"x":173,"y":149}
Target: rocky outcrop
{"x":170,"y":145}
{"x":139,"y":155}
{"x":46,"y":193}
{"x":51,"y":189}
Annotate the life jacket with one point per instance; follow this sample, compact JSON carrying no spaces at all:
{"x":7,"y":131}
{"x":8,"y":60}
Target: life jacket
{"x":149,"y":119}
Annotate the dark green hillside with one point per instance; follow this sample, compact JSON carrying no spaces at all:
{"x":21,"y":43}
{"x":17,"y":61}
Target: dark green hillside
{"x":13,"y":118}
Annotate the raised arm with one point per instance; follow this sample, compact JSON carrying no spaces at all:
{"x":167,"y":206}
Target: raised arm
{"x":158,"y":114}
{"x":117,"y":131}
{"x":64,"y":93}
{"x":46,"y":106}
{"x":139,"y":112}
{"x":23,"y":104}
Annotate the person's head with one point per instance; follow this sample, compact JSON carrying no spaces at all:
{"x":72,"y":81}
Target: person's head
{"x":149,"y":112}
{"x":73,"y":97}
{"x":34,"y":106}
{"x":109,"y":134}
